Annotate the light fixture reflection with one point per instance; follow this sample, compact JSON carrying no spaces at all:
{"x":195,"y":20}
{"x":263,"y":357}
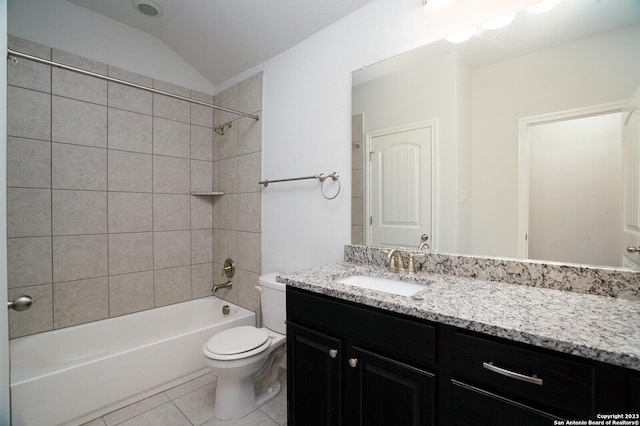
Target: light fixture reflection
{"x":462,"y":36}
{"x":499,"y":22}
{"x":435,"y":6}
{"x":543,"y":6}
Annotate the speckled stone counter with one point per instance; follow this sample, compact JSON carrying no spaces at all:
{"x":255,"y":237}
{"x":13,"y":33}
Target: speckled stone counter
{"x":597,"y":327}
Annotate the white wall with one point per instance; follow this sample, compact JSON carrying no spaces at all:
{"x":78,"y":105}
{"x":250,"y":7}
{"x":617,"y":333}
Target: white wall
{"x":571,"y":76}
{"x":69,"y":27}
{"x":307,"y":117}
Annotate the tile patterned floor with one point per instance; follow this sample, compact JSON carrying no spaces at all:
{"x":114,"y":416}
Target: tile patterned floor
{"x":191,"y":404}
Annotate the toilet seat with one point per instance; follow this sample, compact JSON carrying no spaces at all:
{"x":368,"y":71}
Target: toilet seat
{"x":237,"y":343}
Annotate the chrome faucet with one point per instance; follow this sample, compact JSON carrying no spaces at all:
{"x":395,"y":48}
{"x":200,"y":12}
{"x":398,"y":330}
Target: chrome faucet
{"x":217,"y":287}
{"x":396,"y":260}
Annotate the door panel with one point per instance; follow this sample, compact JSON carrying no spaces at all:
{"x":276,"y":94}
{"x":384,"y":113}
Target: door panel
{"x":401,"y":186}
{"x":314,"y":381}
{"x":390,"y":392}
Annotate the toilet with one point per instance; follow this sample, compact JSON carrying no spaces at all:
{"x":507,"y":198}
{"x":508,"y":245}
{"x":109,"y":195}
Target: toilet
{"x":246,"y":359}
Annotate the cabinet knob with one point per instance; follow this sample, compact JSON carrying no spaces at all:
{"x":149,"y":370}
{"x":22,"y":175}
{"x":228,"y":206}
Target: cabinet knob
{"x":353,"y":362}
{"x":333,"y":353}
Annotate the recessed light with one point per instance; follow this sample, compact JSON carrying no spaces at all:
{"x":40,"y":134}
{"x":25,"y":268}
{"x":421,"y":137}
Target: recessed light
{"x":148,"y":8}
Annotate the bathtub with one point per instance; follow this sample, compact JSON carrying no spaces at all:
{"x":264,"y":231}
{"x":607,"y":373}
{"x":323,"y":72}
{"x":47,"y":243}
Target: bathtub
{"x":76,"y":374}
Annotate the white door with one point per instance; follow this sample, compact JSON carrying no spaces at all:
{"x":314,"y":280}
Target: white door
{"x":401,"y":185}
{"x":631,"y":165}
{"x":575,"y":190}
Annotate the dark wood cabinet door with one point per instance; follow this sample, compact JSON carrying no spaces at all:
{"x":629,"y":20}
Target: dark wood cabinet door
{"x":313,"y":378}
{"x":381,"y":392}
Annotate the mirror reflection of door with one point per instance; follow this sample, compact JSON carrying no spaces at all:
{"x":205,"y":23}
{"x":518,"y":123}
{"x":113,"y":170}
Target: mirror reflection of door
{"x":631,"y":163}
{"x":401,"y":185}
{"x":575,"y":184}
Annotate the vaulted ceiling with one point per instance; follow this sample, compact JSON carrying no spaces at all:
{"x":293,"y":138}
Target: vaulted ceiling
{"x":221,"y":38}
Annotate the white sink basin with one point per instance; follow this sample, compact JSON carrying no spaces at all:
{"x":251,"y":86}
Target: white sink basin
{"x":402,"y":288}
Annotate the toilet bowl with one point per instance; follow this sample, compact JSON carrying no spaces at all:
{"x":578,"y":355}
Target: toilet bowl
{"x":246,"y":359}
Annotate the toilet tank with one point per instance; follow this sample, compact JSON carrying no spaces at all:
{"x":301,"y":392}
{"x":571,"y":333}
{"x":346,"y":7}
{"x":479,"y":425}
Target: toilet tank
{"x":273,"y":300}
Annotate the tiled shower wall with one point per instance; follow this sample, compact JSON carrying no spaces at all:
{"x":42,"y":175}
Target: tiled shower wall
{"x":357,"y":176}
{"x":101,"y":221}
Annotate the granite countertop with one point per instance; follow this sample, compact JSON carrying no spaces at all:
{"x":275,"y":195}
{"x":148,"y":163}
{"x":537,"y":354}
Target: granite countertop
{"x":602,"y":328}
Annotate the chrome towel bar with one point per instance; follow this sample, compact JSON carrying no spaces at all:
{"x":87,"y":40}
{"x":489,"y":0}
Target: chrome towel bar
{"x":321,"y":177}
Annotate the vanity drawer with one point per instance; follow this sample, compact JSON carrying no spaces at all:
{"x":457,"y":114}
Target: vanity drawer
{"x":528,"y":375}
{"x":394,"y":335}
{"x":475,"y":406}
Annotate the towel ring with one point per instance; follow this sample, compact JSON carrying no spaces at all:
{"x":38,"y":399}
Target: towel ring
{"x":334,"y":176}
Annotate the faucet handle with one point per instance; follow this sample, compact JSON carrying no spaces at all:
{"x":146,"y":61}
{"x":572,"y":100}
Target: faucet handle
{"x":412,"y":265}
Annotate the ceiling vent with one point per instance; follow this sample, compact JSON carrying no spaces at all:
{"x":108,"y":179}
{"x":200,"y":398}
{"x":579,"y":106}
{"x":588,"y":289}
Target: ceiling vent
{"x":148,"y":8}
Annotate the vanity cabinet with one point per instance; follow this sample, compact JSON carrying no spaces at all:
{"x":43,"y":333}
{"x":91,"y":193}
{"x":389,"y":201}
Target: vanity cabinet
{"x":355,"y":366}
{"x":350,"y":364}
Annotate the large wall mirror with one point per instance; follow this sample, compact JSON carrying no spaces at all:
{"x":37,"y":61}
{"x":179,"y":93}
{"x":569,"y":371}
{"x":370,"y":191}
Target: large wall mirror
{"x":522,"y":141}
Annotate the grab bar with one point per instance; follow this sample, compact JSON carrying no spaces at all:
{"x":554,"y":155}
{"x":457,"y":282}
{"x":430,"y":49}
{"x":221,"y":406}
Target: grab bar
{"x":321,"y":177}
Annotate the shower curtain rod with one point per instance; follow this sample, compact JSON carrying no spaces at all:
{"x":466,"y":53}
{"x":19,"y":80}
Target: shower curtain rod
{"x":12,"y":55}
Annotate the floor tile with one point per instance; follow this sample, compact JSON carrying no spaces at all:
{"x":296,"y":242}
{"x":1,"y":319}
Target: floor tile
{"x":166,"y":414}
{"x":276,"y":409}
{"x":190,"y":386}
{"x":96,"y":422}
{"x":198,"y":405}
{"x":256,"y":418}
{"x":135,"y":409}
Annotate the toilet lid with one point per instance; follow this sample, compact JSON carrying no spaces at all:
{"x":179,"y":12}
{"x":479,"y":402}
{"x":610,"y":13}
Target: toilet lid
{"x":237,"y":340}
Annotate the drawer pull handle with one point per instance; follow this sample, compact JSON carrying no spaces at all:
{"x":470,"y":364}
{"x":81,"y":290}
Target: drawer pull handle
{"x":333,"y":353}
{"x":353,"y":362}
{"x":529,"y":379}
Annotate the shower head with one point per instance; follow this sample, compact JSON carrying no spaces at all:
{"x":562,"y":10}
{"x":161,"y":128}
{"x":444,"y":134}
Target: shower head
{"x":220,"y":129}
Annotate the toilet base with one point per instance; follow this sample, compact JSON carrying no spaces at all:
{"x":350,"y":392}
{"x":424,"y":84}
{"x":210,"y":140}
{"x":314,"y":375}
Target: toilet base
{"x":237,"y":398}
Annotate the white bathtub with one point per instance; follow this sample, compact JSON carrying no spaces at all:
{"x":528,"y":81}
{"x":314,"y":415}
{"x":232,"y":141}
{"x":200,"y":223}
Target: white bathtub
{"x":75,"y":374}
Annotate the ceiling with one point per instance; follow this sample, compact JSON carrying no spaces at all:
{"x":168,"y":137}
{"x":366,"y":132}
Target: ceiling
{"x":222,"y":38}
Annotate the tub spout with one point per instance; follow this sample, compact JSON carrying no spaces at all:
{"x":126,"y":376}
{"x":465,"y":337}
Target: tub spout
{"x":217,"y":287}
